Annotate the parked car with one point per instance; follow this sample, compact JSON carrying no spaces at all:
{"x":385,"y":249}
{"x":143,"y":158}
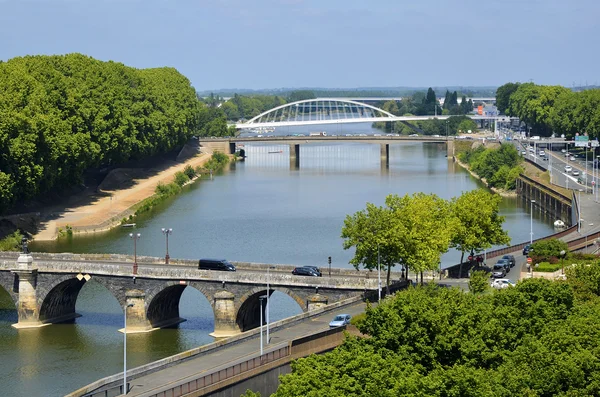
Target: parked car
{"x":340,"y":320}
{"x":505,"y":263}
{"x":499,"y":271}
{"x":316,"y":269}
{"x":304,"y":271}
{"x":511,"y":260}
{"x":501,"y":283}
{"x":527,"y":249}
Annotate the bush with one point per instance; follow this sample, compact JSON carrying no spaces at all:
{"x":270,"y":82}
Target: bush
{"x":181,"y":178}
{"x":479,"y":282}
{"x":12,"y":242}
{"x":547,"y":267}
{"x":189,"y":171}
{"x":550,"y":247}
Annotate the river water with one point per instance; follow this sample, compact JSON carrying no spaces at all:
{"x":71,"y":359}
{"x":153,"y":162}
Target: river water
{"x":260,"y":210}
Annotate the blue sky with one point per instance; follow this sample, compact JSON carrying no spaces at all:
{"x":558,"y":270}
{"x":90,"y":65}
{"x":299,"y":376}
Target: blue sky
{"x":320,"y":43}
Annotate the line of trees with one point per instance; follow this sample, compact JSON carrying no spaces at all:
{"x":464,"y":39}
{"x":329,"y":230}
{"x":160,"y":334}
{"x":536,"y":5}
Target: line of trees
{"x":539,"y":338}
{"x":500,"y":167}
{"x":548,"y":109}
{"x":61,"y":115}
{"x":413,"y":231}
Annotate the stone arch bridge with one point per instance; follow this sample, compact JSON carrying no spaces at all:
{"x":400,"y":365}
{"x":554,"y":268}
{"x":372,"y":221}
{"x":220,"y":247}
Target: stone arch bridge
{"x":45,"y":287}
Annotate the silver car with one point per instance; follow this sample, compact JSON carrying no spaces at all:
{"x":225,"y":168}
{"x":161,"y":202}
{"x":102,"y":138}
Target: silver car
{"x":340,"y":320}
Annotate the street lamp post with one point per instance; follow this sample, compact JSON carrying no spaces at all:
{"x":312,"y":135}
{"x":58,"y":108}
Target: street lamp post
{"x":579,"y":210}
{"x":378,"y":275}
{"x":135,"y":237}
{"x":261,"y":298}
{"x":125,"y":347}
{"x":268,"y":294}
{"x":166,"y":232}
{"x":531,"y":223}
{"x":566,"y":176}
{"x":562,"y":256}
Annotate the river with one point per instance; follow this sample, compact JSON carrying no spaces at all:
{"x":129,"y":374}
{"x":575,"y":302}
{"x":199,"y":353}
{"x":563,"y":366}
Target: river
{"x":260,"y":210}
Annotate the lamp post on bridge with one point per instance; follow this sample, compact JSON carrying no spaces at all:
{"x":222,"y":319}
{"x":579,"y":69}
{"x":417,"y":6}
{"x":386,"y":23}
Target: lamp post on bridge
{"x":125,"y":347}
{"x":166,"y":232}
{"x":268,"y":294}
{"x":135,"y":237}
{"x":261,"y":298}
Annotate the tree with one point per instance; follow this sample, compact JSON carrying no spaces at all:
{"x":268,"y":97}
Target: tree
{"x":503,"y":94}
{"x":300,"y":95}
{"x":478,"y":282}
{"x":478,"y":224}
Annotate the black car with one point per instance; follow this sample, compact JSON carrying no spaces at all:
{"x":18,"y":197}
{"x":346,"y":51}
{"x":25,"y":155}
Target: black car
{"x":526,"y":249}
{"x":215,"y":264}
{"x":511,"y":259}
{"x":304,"y":271}
{"x":505,"y":263}
{"x":316,"y":269}
{"x":499,"y":271}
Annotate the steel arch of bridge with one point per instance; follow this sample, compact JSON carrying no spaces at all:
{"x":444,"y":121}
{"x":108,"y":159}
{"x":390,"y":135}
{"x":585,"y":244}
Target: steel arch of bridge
{"x":318,"y":111}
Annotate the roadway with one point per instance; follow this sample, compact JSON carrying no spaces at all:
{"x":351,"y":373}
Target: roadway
{"x":251,"y":346}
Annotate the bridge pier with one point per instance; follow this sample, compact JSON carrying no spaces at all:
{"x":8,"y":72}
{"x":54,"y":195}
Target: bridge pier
{"x":316,"y":301}
{"x":450,"y":148}
{"x":27,"y":307}
{"x":225,"y":315}
{"x":294,"y":156}
{"x":137,"y":320}
{"x":385,"y":153}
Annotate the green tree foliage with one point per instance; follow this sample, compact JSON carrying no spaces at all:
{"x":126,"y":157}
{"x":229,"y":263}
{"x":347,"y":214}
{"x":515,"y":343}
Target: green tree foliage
{"x":479,"y":282}
{"x":411,"y":230}
{"x":536,"y":339}
{"x":503,"y":94}
{"x":479,"y":225}
{"x":12,"y":242}
{"x":534,"y":104}
{"x":60,"y":115}
{"x":500,"y":167}
{"x":544,"y":249}
{"x":300,"y":95}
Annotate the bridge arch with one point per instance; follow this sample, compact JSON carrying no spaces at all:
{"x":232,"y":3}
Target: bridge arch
{"x":56,"y":299}
{"x":337,"y":109}
{"x":162,"y":302}
{"x":248,"y":305}
{"x":9,"y":283}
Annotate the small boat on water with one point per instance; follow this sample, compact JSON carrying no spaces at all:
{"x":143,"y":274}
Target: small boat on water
{"x":128,"y":225}
{"x":559,"y":224}
{"x":277,"y":151}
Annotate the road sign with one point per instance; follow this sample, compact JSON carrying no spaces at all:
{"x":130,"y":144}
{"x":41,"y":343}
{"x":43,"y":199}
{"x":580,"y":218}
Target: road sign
{"x":594,"y":143}
{"x":529,"y":260}
{"x":581,"y":141}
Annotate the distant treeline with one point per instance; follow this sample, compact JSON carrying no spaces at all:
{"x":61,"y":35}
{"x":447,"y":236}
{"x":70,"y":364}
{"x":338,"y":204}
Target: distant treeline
{"x":61,"y":115}
{"x":548,"y":109}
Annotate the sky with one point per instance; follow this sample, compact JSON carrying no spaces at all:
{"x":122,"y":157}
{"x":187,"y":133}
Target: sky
{"x":269,"y":44}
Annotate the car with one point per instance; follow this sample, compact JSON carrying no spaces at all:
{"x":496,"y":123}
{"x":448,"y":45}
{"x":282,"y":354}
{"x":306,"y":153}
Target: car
{"x":524,"y":153}
{"x":501,"y":283}
{"x":527,"y":249}
{"x":572,"y":158}
{"x":505,"y":263}
{"x":575,"y":173}
{"x":542,"y":153}
{"x":531,"y":149}
{"x":304,"y":271}
{"x":563,"y":150}
{"x":511,"y":260}
{"x":215,"y":264}
{"x":414,"y":135}
{"x":316,"y":269}
{"x":568,"y":168}
{"x":498,"y":271}
{"x":340,"y":320}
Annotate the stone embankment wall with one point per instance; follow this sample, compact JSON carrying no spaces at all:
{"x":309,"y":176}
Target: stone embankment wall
{"x":549,"y":201}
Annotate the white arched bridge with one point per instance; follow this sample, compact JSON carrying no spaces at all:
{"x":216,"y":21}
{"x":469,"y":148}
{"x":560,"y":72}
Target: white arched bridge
{"x":331,"y":111}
